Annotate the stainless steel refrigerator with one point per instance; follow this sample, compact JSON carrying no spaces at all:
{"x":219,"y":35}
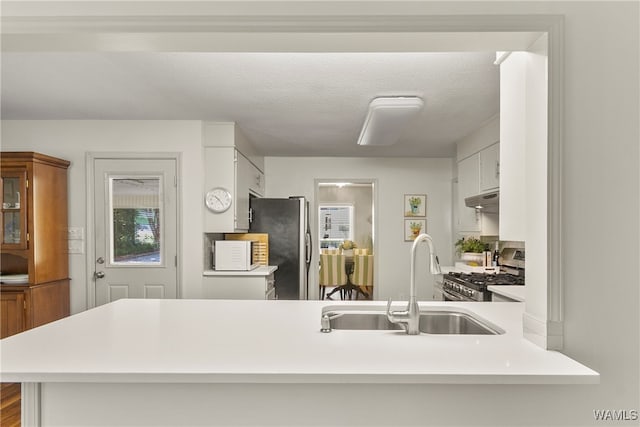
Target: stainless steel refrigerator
{"x":287,"y":223}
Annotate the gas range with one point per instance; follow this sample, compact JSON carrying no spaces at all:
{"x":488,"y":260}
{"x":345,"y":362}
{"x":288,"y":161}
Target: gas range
{"x":473,"y":286}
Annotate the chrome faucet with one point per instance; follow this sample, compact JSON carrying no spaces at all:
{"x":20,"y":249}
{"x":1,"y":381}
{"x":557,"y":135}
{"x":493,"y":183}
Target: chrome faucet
{"x":410,"y":318}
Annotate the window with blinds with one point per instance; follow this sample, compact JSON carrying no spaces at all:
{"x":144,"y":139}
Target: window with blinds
{"x":336,"y":224}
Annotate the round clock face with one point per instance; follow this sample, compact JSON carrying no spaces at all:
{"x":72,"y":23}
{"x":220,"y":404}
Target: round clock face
{"x":218,"y":199}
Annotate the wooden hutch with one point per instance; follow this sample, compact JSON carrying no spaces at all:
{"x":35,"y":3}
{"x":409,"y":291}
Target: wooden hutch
{"x":33,"y":240}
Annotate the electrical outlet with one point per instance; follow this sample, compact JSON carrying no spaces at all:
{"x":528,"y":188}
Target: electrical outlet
{"x":75,"y":233}
{"x":76,"y":247}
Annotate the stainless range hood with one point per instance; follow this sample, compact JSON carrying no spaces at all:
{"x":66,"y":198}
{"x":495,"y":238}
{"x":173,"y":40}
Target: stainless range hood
{"x":487,"y":202}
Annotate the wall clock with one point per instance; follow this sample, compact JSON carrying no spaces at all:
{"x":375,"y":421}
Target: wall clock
{"x":218,"y":199}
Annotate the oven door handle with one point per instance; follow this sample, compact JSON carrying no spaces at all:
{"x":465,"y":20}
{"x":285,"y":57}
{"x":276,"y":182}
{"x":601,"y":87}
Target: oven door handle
{"x":452,"y":296}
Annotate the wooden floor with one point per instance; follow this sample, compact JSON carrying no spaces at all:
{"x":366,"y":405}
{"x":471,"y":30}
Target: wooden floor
{"x":10,"y":405}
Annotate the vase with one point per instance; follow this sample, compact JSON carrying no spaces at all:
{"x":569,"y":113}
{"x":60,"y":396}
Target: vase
{"x":472,"y":257}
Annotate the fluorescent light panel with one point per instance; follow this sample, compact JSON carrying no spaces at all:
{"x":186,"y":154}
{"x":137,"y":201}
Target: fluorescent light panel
{"x":387,"y":118}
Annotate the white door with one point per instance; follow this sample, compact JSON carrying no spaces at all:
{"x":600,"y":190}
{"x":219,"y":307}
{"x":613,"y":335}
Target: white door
{"x":135,"y":208}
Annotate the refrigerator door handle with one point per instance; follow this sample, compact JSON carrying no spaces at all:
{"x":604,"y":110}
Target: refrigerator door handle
{"x":250,"y":215}
{"x":307,"y":240}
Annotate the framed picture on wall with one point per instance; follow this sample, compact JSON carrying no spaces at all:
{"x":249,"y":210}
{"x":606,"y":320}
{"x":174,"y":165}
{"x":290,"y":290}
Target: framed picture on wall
{"x":413,"y":228}
{"x":415,"y":205}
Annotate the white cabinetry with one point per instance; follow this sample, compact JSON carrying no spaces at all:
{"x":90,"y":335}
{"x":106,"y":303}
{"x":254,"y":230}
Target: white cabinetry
{"x":501,"y":298}
{"x":228,"y":168}
{"x":253,"y":176}
{"x":468,"y":183}
{"x":513,"y":125}
{"x":477,"y":174}
{"x":490,"y":168}
{"x":239,"y":285}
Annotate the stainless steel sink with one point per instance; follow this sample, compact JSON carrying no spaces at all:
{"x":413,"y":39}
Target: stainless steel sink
{"x":450,"y":322}
{"x":361,"y":321}
{"x":447,"y":322}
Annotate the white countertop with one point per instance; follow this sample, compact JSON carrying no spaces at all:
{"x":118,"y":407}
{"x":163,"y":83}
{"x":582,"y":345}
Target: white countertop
{"x":514,"y":292}
{"x":263,"y":270}
{"x":251,"y":341}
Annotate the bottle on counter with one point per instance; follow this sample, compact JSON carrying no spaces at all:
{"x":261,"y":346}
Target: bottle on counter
{"x":487,"y":257}
{"x":496,"y":255}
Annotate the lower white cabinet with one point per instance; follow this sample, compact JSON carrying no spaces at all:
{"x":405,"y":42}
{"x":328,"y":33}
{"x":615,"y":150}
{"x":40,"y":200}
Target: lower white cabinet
{"x":255,"y":284}
{"x":502,"y":293}
{"x":501,"y":298}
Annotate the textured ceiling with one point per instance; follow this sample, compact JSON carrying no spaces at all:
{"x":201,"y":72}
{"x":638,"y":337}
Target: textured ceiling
{"x":287,"y":104}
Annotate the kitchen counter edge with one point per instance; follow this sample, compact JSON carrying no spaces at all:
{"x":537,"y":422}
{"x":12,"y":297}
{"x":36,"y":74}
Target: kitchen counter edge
{"x":263,"y":270}
{"x":237,"y":353}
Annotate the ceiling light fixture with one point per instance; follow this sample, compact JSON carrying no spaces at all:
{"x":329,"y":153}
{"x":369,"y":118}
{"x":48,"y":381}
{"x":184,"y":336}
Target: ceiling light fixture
{"x":387,"y":118}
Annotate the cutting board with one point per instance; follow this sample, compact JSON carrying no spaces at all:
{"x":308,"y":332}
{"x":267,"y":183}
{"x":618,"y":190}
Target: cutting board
{"x":260,"y":247}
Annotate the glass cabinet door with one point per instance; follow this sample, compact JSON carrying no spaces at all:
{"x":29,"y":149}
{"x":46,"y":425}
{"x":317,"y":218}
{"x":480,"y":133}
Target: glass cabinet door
{"x":14,"y":217}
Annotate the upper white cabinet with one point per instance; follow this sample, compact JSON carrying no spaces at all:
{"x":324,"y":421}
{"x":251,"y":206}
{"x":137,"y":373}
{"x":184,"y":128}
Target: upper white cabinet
{"x":226,"y":167}
{"x":232,"y":163}
{"x":249,"y":181}
{"x":477,"y":174}
{"x":490,"y":168}
{"x":254,"y":178}
{"x":243,"y":182}
{"x":468,"y":184}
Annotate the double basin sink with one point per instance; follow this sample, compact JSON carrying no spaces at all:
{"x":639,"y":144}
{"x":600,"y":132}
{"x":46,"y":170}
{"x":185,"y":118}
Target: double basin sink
{"x":436,"y":320}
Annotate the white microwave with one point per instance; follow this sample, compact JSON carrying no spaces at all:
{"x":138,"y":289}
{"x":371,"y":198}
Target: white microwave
{"x":234,"y":255}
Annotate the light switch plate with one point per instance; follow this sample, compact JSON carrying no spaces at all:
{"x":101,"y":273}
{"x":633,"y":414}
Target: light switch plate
{"x":75,"y":233}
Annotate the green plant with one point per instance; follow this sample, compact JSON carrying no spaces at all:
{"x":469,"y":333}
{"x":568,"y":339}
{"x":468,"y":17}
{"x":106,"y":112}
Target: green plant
{"x":125,"y":242}
{"x":415,"y":201}
{"x":470,"y":244}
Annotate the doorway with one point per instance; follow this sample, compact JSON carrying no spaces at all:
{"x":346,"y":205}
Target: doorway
{"x":345,"y":225}
{"x":135,"y":228}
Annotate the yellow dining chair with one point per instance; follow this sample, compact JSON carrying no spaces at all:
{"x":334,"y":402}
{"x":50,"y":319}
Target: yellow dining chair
{"x":362,"y":277}
{"x":332,"y":273}
{"x":361,"y":251}
{"x":332,"y":251}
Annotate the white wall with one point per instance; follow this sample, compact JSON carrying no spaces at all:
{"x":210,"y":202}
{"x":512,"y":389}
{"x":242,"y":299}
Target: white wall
{"x":71,"y":140}
{"x":395,"y":177}
{"x":486,"y":135}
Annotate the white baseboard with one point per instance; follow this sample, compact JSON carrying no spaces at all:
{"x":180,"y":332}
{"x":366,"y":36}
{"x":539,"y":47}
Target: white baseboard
{"x":545,"y":334}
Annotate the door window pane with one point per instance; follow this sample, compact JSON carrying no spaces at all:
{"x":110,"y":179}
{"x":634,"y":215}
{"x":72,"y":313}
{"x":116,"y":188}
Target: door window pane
{"x":11,"y":227}
{"x":136,"y":220}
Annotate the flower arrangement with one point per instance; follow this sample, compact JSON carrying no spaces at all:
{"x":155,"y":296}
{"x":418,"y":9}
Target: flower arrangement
{"x":415,"y":201}
{"x":415,"y":228}
{"x":348,"y":244}
{"x":470,"y":244}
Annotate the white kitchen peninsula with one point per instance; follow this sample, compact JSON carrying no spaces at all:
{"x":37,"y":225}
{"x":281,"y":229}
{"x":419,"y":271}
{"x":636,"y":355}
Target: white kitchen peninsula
{"x":221,"y":362}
